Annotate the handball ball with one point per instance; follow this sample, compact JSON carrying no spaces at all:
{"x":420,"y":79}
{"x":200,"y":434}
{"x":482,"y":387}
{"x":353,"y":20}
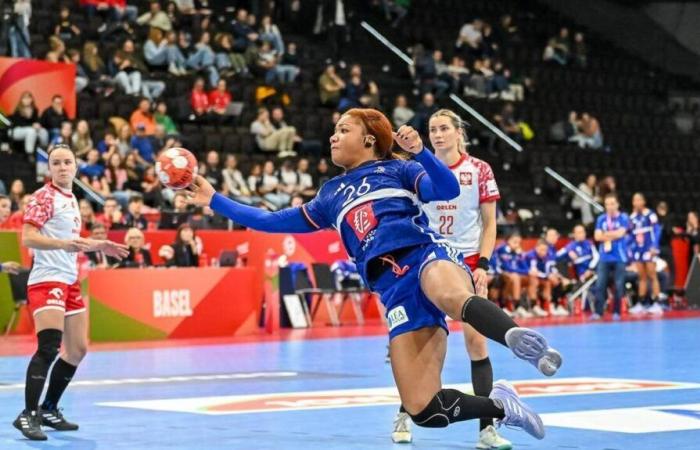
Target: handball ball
{"x":176,"y":168}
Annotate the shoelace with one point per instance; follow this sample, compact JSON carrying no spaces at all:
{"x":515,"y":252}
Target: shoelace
{"x":395,"y":268}
{"x":401,"y":423}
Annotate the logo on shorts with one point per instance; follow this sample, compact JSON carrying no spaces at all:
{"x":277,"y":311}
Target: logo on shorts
{"x":57,"y":293}
{"x":362,"y":220}
{"x":465,"y":178}
{"x":396,"y":317}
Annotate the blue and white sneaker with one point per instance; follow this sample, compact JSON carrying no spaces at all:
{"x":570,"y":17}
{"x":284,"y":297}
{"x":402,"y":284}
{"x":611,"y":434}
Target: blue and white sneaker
{"x":531,"y":346}
{"x":517,"y":413}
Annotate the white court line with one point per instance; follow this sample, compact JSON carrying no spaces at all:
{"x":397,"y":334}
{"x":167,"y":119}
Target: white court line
{"x":349,"y":398}
{"x":173,"y":379}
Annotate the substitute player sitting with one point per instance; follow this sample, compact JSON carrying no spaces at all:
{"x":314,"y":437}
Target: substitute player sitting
{"x":542,"y":277}
{"x":509,"y":265}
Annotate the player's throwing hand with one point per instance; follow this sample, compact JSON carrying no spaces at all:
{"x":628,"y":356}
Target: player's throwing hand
{"x":200,"y":192}
{"x":408,"y":139}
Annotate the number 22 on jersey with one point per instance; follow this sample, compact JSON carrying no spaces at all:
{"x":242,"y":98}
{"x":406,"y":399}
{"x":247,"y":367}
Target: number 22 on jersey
{"x":446,"y":224}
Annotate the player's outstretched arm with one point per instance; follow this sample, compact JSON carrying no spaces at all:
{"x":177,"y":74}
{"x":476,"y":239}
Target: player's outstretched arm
{"x":439,"y":182}
{"x":290,"y":220}
{"x":32,"y":238}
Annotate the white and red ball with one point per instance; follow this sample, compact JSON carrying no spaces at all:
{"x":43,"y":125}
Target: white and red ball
{"x":176,"y":168}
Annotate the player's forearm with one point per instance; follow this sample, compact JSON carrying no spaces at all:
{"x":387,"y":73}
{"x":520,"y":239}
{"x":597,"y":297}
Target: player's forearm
{"x":440,"y":183}
{"x":290,"y":220}
{"x":488,"y":242}
{"x":616,"y":234}
{"x":37,"y":241}
{"x":488,"y":234}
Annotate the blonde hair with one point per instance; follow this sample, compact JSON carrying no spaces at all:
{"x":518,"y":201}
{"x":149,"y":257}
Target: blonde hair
{"x":457,"y":122}
{"x":91,"y":59}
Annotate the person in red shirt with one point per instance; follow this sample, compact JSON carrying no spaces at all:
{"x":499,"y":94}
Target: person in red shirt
{"x":219,"y":99}
{"x":199,"y":100}
{"x":15,"y":221}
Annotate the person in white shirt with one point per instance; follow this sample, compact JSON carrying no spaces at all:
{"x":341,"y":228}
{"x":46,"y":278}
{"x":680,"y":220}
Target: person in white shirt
{"x":234,"y":183}
{"x":52,"y":230}
{"x":468,"y":222}
{"x":470,"y":34}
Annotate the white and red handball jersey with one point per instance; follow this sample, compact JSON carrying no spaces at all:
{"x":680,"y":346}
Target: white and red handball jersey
{"x":459,"y":220}
{"x":54,"y":211}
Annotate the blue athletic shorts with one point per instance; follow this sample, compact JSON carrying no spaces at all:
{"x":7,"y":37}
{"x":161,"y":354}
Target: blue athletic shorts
{"x":641,"y":253}
{"x":407,"y":307}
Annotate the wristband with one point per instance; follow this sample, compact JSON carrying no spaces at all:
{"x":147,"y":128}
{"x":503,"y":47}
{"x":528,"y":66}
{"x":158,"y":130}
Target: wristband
{"x":483,"y":263}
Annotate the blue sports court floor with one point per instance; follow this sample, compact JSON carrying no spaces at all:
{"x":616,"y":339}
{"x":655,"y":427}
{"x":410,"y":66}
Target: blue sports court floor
{"x":629,"y":385}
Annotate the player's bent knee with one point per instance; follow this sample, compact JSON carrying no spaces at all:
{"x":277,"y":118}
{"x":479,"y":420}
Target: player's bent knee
{"x":414,"y":406}
{"x":453,"y":296}
{"x":440,"y":411}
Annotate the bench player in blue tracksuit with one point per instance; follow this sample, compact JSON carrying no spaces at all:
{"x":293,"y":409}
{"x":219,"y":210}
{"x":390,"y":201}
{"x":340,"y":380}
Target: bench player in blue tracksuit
{"x":375,"y":206}
{"x":582,"y":254}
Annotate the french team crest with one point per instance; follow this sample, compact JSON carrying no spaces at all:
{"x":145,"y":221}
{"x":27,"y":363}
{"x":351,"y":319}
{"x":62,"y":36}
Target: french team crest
{"x":362,"y":220}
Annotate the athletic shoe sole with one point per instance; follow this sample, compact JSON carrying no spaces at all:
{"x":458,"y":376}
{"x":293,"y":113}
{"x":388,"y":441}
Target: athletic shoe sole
{"x":401,"y":438}
{"x":17,"y":425}
{"x":531,"y":346}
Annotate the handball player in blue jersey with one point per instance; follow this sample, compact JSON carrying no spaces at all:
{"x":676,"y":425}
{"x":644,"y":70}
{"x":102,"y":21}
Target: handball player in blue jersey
{"x":643,"y":250}
{"x":376,"y":207}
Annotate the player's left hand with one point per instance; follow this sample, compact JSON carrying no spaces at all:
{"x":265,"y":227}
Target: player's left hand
{"x":10,"y":267}
{"x":408,"y":139}
{"x":480,"y":282}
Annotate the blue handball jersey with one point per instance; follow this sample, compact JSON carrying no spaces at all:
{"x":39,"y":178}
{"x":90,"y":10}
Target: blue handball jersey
{"x":375,"y":208}
{"x":583,"y":255}
{"x":507,"y":260}
{"x":645,"y":229}
{"x":543,"y":266}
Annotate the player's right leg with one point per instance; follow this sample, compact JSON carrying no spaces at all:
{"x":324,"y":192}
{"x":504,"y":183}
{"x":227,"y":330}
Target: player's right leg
{"x":482,"y":382}
{"x":75,"y":348}
{"x":601,"y":290}
{"x":417,"y":358}
{"x":515,"y":285}
{"x":655,"y":307}
{"x":641,"y":289}
{"x":48,"y":322}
